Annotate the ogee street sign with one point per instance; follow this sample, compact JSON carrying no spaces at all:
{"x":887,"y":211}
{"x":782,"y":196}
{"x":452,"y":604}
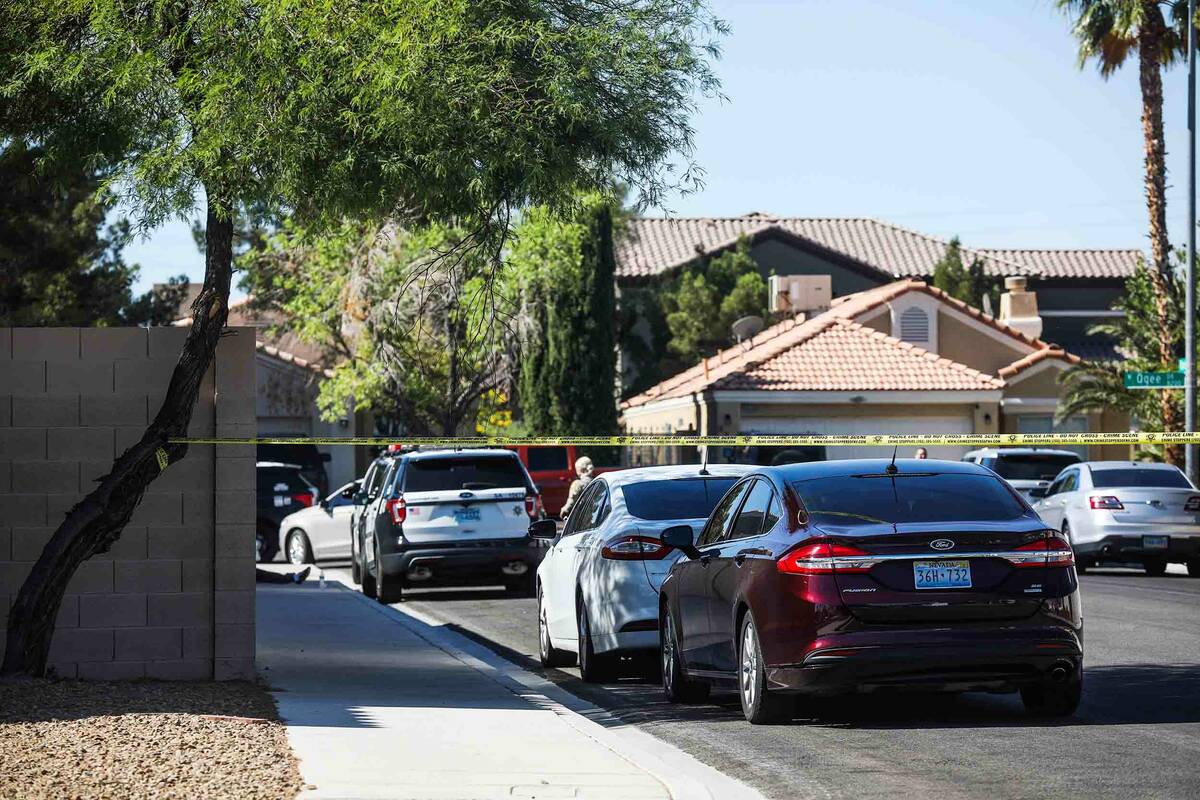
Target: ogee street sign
{"x":1154,"y":380}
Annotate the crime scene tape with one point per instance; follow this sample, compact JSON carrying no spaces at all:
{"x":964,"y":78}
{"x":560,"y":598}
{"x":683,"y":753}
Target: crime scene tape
{"x":739,"y":440}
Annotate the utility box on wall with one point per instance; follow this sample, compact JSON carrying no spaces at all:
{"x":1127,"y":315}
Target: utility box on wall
{"x":792,"y":294}
{"x":174,"y":597}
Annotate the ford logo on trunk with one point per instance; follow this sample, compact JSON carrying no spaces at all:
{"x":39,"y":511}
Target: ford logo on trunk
{"x":941,"y":544}
{"x":466,"y":495}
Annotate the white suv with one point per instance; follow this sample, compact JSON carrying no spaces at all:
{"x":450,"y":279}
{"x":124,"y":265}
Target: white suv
{"x":447,"y":517}
{"x":1025,"y":468}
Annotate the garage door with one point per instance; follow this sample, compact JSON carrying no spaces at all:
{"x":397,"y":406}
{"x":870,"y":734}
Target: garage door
{"x":858,"y":426}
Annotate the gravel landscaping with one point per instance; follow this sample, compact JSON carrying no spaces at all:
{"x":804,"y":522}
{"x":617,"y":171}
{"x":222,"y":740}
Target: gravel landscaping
{"x":144,"y":739}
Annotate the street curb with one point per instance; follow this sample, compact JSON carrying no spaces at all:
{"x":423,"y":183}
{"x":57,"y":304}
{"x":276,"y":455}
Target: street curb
{"x":684,"y":776}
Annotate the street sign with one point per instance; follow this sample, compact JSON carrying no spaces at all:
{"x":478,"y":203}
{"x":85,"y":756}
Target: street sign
{"x":1154,"y":380}
{"x":1183,"y":365}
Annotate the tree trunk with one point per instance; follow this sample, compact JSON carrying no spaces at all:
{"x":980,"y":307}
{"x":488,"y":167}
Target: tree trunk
{"x":1150,"y":39}
{"x":96,"y":521}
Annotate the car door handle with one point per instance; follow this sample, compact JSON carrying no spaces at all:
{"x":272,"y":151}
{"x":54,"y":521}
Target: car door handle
{"x":707,"y":556}
{"x":740,"y":558}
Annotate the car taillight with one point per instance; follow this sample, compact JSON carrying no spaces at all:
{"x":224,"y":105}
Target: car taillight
{"x":635,"y":548}
{"x":303,"y":498}
{"x":1106,"y":502}
{"x":397,"y":510}
{"x":533,"y":505}
{"x":823,"y":558}
{"x":1053,"y":551}
{"x":1193,"y":503}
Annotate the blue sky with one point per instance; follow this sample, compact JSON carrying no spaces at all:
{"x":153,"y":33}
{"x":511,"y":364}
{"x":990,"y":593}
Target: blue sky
{"x":962,"y":117}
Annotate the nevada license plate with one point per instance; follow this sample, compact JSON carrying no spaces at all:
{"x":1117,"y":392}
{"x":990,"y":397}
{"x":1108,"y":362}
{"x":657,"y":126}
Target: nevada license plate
{"x":942,"y":574}
{"x":1155,"y":542}
{"x":466,"y":515}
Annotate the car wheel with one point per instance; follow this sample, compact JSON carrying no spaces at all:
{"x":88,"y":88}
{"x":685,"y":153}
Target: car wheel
{"x":760,"y":705}
{"x":548,"y":654}
{"x":355,"y":568}
{"x":1193,"y":568}
{"x":1155,"y":566}
{"x":263,"y":545}
{"x":298,"y":550}
{"x":368,"y":580}
{"x":1081,"y":565}
{"x":593,"y":668}
{"x":1055,"y":698}
{"x":388,"y":590}
{"x":676,"y":685}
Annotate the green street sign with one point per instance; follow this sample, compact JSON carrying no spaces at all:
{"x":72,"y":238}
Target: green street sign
{"x":1154,"y":380}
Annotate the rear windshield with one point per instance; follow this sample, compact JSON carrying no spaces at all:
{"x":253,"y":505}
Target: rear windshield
{"x":681,"y":498}
{"x":281,"y":479}
{"x":1030,"y":466}
{"x":923,"y":497}
{"x":306,"y":455}
{"x":1122,"y":478}
{"x":472,"y":472}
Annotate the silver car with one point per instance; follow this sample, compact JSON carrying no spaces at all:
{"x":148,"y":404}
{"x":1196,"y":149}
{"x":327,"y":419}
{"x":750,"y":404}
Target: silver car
{"x":320,"y":532}
{"x":1125,"y":511}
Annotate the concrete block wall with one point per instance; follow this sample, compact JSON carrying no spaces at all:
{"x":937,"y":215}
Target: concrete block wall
{"x":174,"y":597}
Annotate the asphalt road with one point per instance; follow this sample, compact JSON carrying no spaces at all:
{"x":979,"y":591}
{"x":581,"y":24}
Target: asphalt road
{"x":1137,"y":732}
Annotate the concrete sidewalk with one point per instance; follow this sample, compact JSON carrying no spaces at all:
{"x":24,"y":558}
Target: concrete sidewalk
{"x":382,"y":705}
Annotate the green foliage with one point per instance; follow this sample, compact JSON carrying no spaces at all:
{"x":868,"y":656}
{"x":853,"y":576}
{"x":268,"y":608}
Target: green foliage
{"x":1108,"y":30}
{"x":562,"y":272}
{"x":1099,"y":385}
{"x":967,"y":283}
{"x":729,"y":285}
{"x":60,"y":264}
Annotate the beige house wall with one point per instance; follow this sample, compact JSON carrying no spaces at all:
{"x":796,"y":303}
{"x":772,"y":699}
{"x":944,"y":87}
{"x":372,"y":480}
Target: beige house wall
{"x":174,"y":597}
{"x":969,"y":345}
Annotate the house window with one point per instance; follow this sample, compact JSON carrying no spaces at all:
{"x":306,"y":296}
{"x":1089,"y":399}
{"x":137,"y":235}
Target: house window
{"x":914,"y":326}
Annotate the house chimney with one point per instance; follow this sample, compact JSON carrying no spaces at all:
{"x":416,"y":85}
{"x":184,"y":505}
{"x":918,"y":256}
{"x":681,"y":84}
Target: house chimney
{"x":1019,"y":308}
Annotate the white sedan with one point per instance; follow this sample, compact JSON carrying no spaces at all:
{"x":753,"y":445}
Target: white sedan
{"x":320,"y":532}
{"x":597,"y":587}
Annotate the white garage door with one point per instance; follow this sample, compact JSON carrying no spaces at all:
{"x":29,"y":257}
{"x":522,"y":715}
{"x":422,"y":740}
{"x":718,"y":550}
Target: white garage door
{"x":859,"y":426}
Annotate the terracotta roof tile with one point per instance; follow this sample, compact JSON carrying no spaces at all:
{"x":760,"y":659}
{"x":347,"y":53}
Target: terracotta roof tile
{"x":1037,"y":357}
{"x":653,"y":245}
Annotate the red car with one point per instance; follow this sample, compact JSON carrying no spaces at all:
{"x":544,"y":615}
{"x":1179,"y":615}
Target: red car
{"x":857,"y":576}
{"x":552,"y":469}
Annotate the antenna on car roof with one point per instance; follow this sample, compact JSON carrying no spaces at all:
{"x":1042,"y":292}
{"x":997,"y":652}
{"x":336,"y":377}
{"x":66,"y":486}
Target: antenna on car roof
{"x":704,"y":460}
{"x":891,"y":468}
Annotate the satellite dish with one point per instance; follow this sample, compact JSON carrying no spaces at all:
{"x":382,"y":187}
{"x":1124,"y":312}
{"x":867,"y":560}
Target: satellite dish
{"x":746,"y":327}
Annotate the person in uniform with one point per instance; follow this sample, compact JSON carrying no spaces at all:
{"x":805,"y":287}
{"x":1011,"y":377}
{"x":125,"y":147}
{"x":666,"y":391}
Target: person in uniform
{"x":583,"y":468}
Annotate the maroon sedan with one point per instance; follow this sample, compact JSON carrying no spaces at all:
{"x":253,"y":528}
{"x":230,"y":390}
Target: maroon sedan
{"x":845,"y":576}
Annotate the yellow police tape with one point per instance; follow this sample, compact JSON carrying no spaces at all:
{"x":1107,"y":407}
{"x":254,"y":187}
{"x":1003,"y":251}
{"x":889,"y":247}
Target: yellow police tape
{"x":748,"y":440}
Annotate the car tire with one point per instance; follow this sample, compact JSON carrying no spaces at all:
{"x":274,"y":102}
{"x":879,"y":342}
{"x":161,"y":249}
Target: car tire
{"x":548,"y":654}
{"x":368,"y":580}
{"x":1193,"y":568}
{"x":299,"y":551}
{"x":593,"y":667}
{"x":1155,"y":567}
{"x":355,"y":569}
{"x":759,"y":705}
{"x":677,"y":687}
{"x":1053,"y":698}
{"x":388,"y":589}
{"x":263,"y":545}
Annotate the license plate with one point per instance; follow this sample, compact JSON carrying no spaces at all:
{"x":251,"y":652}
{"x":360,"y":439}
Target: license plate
{"x":942,"y":574}
{"x":466,"y":515}
{"x":1155,"y":542}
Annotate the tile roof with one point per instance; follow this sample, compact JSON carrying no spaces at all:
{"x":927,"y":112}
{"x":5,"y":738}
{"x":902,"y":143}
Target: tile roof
{"x":242,"y":313}
{"x":1037,"y":357}
{"x":654,"y":245}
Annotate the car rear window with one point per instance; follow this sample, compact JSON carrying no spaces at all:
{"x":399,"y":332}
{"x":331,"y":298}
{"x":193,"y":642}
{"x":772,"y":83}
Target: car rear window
{"x":680,"y":498}
{"x":916,"y":497}
{"x":1030,"y":466}
{"x":1134,"y":477}
{"x":469,"y":472}
{"x":281,"y":479}
{"x":305,"y":455}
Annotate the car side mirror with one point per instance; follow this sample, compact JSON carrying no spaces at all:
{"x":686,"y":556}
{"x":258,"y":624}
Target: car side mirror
{"x":349,"y":494}
{"x":682,"y":538}
{"x":543,"y":529}
{"x":1038,"y":492}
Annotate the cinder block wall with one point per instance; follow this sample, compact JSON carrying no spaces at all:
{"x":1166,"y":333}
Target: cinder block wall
{"x":174,"y":597}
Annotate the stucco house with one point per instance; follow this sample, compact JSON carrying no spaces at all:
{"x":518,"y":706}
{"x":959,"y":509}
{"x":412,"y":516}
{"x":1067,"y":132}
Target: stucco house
{"x":900,"y":358}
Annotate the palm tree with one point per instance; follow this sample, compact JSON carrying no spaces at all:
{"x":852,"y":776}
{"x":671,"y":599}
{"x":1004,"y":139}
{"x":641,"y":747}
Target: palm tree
{"x":1108,"y":31}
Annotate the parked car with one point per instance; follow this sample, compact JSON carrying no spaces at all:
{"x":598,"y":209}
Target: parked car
{"x":552,"y":470}
{"x":1125,"y":511}
{"x":320,"y":532}
{"x":306,"y":456}
{"x":445,"y":517}
{"x":1025,"y":468}
{"x":281,"y":489}
{"x":597,"y":587}
{"x":857,"y":575}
